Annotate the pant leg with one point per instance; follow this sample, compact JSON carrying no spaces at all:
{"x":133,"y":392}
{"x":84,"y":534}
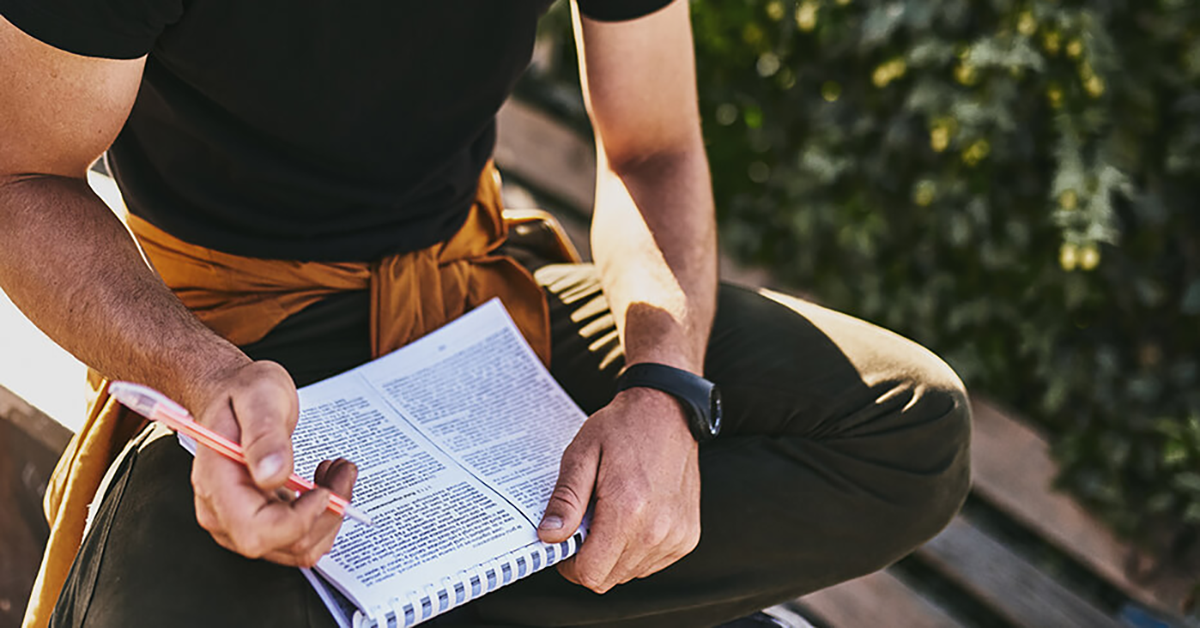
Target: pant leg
{"x":146,"y":561}
{"x":844,"y":447}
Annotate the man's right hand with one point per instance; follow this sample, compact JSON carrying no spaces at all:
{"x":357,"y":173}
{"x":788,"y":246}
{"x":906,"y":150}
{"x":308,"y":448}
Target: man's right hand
{"x":246,"y":509}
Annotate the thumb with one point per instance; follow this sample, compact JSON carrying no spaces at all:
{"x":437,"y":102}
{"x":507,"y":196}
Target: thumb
{"x":569,"y":501}
{"x":266,"y":415}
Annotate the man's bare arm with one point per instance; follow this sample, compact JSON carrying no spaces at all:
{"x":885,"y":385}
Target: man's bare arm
{"x":65,"y":259}
{"x":654,"y":240}
{"x":654,"y":231}
{"x":69,"y":264}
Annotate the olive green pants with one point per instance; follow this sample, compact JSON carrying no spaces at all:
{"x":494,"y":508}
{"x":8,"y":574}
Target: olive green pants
{"x":844,"y":447}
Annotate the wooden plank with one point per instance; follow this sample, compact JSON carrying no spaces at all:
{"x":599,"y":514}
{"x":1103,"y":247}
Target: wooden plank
{"x":550,"y":156}
{"x":1013,"y":470}
{"x":26,"y":461}
{"x":1007,"y":583}
{"x":878,"y":599}
{"x":33,"y":422}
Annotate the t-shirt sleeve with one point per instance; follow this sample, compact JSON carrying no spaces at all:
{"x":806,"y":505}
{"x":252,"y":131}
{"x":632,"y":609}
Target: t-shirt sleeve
{"x":113,"y":29}
{"x":619,"y":10}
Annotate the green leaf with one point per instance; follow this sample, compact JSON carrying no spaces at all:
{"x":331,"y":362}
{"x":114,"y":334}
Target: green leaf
{"x":1188,"y":481}
{"x":1192,"y":514}
{"x":1175,"y":453}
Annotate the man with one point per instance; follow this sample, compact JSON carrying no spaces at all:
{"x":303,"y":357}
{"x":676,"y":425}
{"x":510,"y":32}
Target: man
{"x":354,"y":139}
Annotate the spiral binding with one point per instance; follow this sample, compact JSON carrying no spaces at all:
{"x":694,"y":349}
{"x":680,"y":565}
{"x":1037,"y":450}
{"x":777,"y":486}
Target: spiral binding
{"x":434,"y":599}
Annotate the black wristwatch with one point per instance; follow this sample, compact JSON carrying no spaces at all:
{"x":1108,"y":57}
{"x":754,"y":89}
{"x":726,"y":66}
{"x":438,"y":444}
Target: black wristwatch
{"x":700,"y":398}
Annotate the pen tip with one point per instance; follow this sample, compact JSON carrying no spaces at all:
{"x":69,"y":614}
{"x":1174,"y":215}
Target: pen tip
{"x":358,"y":515}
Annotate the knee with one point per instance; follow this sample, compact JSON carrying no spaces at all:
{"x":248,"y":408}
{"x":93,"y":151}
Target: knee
{"x":941,"y":458}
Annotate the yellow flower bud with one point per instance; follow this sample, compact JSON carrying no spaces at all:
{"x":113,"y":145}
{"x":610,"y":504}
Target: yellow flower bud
{"x":1074,"y":48}
{"x":924,"y":193}
{"x":939,"y":139}
{"x":806,"y":15}
{"x":1052,"y":42}
{"x":775,"y":10}
{"x":1089,"y":257}
{"x":752,"y":34}
{"x":1068,"y":200}
{"x":831,"y":91}
{"x":1054,"y":94}
{"x":1026,"y":25}
{"x":1068,"y":256}
{"x":977,"y":152}
{"x":888,"y":72}
{"x":965,"y":73}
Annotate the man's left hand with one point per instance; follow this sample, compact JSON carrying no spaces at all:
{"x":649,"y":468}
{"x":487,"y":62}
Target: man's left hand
{"x":638,"y":463}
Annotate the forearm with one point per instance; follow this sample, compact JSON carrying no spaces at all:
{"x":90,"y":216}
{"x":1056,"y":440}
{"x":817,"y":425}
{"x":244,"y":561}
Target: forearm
{"x":654,"y":240}
{"x":634,"y":461}
{"x":73,"y":269}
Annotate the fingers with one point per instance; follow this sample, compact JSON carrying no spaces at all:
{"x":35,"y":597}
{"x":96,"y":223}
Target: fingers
{"x":679,"y":543}
{"x":267,"y":409}
{"x":243,"y":519}
{"x":606,"y":544}
{"x":568,"y":570}
{"x":322,"y":469}
{"x":339,"y":476}
{"x":569,"y":501}
{"x":607,"y":560}
{"x":283,"y":524}
{"x":306,"y":550}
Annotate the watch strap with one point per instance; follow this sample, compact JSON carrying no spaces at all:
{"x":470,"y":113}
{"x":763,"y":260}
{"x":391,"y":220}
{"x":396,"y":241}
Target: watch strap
{"x":693,"y":391}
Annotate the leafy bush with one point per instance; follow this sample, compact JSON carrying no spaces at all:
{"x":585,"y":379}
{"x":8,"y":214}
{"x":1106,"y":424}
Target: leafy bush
{"x":1012,"y":183}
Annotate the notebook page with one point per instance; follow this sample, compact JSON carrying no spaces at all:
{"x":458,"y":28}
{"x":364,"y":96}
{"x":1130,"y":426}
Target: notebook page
{"x":458,"y":438}
{"x":480,"y":393}
{"x":431,"y":517}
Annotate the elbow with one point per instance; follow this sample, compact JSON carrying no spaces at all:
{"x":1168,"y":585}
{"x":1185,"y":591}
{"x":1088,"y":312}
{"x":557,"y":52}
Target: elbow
{"x":652,"y":160}
{"x":629,"y":148}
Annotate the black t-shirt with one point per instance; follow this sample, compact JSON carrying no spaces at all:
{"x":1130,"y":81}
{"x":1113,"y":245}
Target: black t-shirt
{"x":329,"y":130}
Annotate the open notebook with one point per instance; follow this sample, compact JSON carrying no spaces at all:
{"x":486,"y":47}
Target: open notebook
{"x":458,"y":439}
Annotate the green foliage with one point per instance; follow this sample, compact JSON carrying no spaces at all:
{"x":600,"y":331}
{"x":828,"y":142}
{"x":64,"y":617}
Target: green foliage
{"x":1012,"y":183}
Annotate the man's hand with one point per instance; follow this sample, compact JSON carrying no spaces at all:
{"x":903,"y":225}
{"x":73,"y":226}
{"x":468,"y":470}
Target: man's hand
{"x":638,"y":459}
{"x":245,"y":510}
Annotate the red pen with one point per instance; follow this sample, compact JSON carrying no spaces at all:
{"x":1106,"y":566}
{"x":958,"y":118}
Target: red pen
{"x":157,"y":407}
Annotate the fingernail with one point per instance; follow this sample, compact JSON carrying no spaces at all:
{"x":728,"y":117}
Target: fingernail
{"x":551,"y":522}
{"x":268,"y":466}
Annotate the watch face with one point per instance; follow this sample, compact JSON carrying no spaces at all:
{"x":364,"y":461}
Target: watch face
{"x":714,"y":425}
